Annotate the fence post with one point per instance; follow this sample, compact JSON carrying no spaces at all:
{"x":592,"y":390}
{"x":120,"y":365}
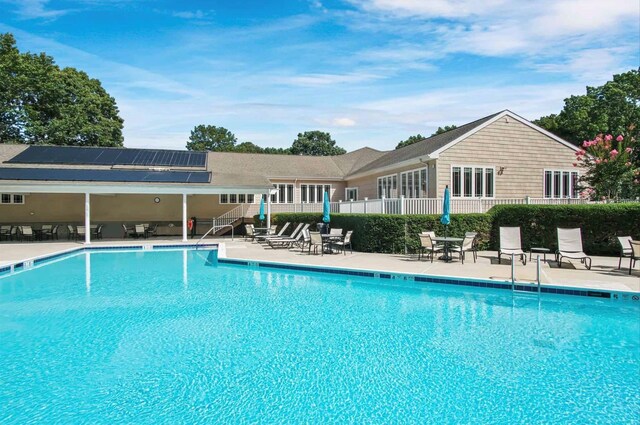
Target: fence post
{"x":527,"y":199}
{"x":382,"y":204}
{"x":365,"y":204}
{"x":350,"y":206}
{"x":301,"y":207}
{"x":402,"y":209}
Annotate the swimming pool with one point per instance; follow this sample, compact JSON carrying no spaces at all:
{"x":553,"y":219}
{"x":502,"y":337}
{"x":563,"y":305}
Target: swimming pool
{"x":175,"y":337}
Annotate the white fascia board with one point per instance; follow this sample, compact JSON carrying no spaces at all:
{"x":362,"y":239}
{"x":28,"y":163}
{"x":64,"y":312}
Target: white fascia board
{"x":17,"y":187}
{"x":422,"y":159}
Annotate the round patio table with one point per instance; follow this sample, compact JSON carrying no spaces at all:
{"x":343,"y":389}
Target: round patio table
{"x":447,"y":242}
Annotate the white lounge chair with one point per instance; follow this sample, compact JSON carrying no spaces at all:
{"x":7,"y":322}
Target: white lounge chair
{"x":511,"y":244}
{"x":272,"y":233}
{"x":570,"y":246}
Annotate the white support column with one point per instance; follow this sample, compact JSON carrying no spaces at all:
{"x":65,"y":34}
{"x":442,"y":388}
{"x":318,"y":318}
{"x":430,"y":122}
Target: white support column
{"x":382,"y":205}
{"x":268,"y":210}
{"x":402,"y":204}
{"x":87,"y":218}
{"x":184,"y":217}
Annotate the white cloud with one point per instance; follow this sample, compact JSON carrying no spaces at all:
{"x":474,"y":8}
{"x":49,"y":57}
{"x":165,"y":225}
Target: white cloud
{"x":311,"y":80}
{"x":343,"y":122}
{"x":35,"y":9}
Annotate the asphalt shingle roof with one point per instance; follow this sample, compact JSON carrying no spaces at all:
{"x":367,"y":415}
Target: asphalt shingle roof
{"x":422,"y":148}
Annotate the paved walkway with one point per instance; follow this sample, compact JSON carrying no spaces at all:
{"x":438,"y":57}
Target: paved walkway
{"x":603,"y":275}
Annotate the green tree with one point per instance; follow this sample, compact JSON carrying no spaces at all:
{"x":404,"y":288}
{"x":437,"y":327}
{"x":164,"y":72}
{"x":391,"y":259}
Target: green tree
{"x":43,"y":104}
{"x":315,"y":143}
{"x":277,"y":151}
{"x":248,"y":147}
{"x":613,"y":108}
{"x":410,"y":141}
{"x":444,"y":129}
{"x":609,"y":172}
{"x":211,"y":138}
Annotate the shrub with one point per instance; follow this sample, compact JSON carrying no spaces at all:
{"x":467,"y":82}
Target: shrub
{"x":600,"y":224}
{"x":387,"y":233}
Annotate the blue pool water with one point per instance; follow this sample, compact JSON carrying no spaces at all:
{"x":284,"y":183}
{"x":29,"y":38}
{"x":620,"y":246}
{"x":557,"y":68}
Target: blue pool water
{"x":169,"y":337}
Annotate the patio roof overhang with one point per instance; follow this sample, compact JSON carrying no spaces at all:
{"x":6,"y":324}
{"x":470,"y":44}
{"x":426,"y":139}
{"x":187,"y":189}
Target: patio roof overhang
{"x":97,"y":188}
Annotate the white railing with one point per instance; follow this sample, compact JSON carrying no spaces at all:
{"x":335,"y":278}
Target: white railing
{"x":406,"y":206}
{"x":231,"y":216}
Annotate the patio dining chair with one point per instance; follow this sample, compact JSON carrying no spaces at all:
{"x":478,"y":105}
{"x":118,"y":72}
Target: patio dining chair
{"x":468,"y":245}
{"x":625,"y":248}
{"x":140,"y":231}
{"x":71,"y":233}
{"x":54,"y":232}
{"x":5,"y":232}
{"x":126,"y":231}
{"x":249,"y":232}
{"x":346,"y":241}
{"x":335,"y":231}
{"x":427,"y":246}
{"x":81,"y":232}
{"x":315,"y":241}
{"x":570,"y":246}
{"x":635,"y":254}
{"x":46,"y":231}
{"x":510,"y":243}
{"x":97,"y":232}
{"x":26,"y":233}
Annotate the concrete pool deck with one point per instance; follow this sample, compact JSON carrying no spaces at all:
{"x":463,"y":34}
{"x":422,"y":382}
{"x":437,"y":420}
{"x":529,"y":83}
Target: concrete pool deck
{"x":604,"y":274}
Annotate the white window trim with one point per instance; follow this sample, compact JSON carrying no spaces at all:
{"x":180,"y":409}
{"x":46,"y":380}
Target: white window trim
{"x":12,"y":199}
{"x":560,"y":170}
{"x":419,"y":171}
{"x":347,"y":189}
{"x":473,"y":180}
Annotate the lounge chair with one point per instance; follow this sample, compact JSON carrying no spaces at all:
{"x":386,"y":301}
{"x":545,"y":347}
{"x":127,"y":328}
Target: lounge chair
{"x":427,"y":245}
{"x":510,"y":244}
{"x":344,"y":242}
{"x":625,"y":248}
{"x":570,"y":246}
{"x":288,"y":241}
{"x":468,"y":244}
{"x":54,"y":232}
{"x":263,"y":238}
{"x":635,"y":254}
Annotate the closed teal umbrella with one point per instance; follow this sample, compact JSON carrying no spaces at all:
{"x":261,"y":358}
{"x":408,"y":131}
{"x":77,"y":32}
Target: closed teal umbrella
{"x":326,"y":209}
{"x":262,"y":209}
{"x":446,"y":207}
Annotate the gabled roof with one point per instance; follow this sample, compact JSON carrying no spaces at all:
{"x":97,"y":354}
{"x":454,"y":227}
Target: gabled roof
{"x":423,"y":148}
{"x":431,"y":147}
{"x":291,"y":166}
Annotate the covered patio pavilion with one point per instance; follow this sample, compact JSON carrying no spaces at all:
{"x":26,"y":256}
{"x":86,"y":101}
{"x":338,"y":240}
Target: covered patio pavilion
{"x":112,"y":186}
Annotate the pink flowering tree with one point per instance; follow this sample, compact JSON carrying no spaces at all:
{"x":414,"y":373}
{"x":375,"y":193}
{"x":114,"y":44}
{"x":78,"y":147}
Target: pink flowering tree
{"x":608,"y":171}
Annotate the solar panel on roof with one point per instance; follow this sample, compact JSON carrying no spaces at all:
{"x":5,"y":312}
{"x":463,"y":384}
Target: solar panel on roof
{"x":109,"y":156}
{"x":67,"y":174}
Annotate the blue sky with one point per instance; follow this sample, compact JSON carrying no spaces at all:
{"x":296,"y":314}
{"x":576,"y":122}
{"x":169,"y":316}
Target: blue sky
{"x":371,"y":72}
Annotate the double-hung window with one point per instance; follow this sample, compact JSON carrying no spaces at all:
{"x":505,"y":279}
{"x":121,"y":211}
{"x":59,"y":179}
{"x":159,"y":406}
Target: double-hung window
{"x":11,"y":198}
{"x":560,"y":184}
{"x":237,"y":198}
{"x":469,"y":181}
{"x":351,"y":194}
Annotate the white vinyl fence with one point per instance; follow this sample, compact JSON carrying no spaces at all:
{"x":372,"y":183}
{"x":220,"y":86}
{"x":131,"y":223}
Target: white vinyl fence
{"x":412,"y":205}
